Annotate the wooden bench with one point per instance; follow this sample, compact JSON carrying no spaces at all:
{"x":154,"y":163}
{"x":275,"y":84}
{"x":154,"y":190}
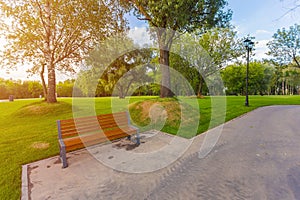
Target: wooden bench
{"x":87,"y":131}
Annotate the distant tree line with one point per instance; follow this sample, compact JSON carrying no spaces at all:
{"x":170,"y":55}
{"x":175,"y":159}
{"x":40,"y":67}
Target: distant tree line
{"x":19,"y":89}
{"x":265,"y":78}
{"x":32,"y":89}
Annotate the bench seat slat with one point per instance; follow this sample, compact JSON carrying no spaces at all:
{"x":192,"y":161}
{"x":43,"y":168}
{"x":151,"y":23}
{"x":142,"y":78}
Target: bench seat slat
{"x":100,"y":117}
{"x":79,"y":142}
{"x":105,"y":124}
{"x":92,"y":139}
{"x":75,"y":133}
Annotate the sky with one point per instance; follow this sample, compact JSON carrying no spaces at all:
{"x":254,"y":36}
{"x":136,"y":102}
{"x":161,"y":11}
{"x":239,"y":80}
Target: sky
{"x":262,"y":18}
{"x":258,"y":18}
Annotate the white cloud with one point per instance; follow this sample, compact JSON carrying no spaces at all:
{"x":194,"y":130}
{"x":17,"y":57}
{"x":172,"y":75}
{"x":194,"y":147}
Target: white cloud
{"x":17,"y":74}
{"x":140,"y":35}
{"x":262,"y":32}
{"x":261,"y":49}
{"x":262,"y":43}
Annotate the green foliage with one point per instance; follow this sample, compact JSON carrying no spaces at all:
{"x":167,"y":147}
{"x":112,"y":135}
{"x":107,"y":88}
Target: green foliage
{"x":289,"y":79}
{"x":55,"y":34}
{"x":70,"y":21}
{"x":168,"y":16}
{"x":117,"y":66}
{"x":222,"y":45}
{"x":205,"y":56}
{"x":260,"y":76}
{"x":33,"y":89}
{"x":183,"y":67}
{"x":67,"y":88}
{"x":19,"y":89}
{"x":291,"y":75}
{"x":182,"y":15}
{"x":285,"y":46}
{"x":127,"y":71}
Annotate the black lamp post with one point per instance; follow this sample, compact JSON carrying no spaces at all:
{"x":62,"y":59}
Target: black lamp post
{"x":249,"y":46}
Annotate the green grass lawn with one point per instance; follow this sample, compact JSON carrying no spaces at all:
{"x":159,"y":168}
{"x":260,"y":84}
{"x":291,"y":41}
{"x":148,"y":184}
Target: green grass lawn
{"x":29,"y":133}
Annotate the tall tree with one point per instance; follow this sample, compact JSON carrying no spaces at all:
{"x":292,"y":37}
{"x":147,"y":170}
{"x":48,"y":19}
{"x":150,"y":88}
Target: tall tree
{"x":172,"y":16}
{"x":285,"y":46}
{"x":210,"y":52}
{"x":54,"y":35}
{"x":223,"y":46}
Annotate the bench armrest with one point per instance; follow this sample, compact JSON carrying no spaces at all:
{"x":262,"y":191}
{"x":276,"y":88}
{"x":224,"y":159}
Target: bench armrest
{"x":134,"y":127}
{"x":61,"y":143}
{"x":59,"y":129}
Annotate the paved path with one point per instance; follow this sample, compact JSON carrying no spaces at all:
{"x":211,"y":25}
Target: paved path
{"x":256,"y":157}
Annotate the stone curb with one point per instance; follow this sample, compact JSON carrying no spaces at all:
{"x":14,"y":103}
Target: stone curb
{"x":24,"y":191}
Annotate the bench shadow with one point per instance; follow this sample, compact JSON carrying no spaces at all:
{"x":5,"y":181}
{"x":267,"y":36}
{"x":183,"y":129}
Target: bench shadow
{"x":128,"y":147}
{"x":125,"y":144}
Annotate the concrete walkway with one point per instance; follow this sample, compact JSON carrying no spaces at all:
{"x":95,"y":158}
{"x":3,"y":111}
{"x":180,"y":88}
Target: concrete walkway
{"x":256,"y":157}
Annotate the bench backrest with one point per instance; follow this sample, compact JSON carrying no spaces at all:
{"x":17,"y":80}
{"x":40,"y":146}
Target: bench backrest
{"x":94,"y":124}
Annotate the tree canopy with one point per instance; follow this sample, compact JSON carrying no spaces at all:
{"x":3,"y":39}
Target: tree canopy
{"x":115,"y":66}
{"x":207,"y":54}
{"x":172,"y":16}
{"x":54,"y":35}
{"x":223,"y":46}
{"x":285,"y":46}
{"x":260,"y":75}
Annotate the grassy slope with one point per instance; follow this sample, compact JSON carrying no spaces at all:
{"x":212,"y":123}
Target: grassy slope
{"x":18,"y":132}
{"x":21,"y":127}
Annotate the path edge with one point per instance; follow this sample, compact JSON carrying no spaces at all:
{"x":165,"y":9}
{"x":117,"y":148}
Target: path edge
{"x":24,"y":190}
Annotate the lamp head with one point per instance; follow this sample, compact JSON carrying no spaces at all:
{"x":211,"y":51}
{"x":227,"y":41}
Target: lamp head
{"x":248,"y":44}
{"x":251,"y":45}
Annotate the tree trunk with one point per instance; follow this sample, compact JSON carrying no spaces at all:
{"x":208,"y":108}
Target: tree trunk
{"x":200,"y":88}
{"x":283,"y":89}
{"x":43,"y":82}
{"x":128,"y":87}
{"x":165,"y":88}
{"x":296,"y":61}
{"x":51,"y":98}
{"x":121,"y":92}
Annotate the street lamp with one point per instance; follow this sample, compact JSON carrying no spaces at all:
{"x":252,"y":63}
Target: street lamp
{"x":249,"y":46}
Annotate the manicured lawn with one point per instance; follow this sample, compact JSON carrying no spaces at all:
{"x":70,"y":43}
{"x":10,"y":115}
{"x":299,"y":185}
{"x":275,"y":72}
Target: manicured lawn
{"x":28,"y":127}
